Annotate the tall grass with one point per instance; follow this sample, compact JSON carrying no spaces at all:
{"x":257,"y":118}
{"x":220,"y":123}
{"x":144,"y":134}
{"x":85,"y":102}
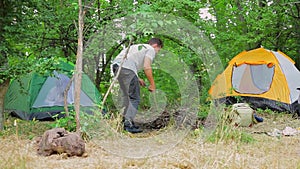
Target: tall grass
{"x":226,"y":130}
{"x":24,"y":129}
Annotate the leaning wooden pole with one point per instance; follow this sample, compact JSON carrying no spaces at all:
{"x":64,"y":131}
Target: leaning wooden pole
{"x":116,"y":76}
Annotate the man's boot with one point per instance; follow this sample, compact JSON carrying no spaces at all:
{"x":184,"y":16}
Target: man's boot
{"x":128,"y":126}
{"x":132,"y":122}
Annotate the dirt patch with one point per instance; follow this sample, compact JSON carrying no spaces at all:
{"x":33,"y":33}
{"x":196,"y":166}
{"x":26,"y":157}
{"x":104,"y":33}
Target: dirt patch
{"x":181,"y":118}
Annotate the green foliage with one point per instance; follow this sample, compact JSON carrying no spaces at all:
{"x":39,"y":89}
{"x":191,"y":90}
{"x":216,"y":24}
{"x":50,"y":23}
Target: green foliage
{"x":66,"y":122}
{"x":164,"y":83}
{"x":69,"y":122}
{"x":244,"y":25}
{"x":238,"y":98}
{"x":47,"y":29}
{"x":266,"y":110}
{"x":33,"y":31}
{"x":204,"y":110}
{"x":22,"y":66}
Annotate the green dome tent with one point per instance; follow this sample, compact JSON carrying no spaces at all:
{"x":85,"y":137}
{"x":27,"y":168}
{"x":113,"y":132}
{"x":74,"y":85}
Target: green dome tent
{"x":35,"y":96}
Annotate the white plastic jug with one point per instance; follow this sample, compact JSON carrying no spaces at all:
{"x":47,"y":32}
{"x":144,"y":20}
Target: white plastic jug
{"x":243,"y":114}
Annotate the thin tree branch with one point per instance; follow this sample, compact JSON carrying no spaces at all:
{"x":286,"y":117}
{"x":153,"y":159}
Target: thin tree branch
{"x":66,"y":95}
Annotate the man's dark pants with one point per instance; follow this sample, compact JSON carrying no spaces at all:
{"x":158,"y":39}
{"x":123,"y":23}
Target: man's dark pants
{"x":130,"y":87}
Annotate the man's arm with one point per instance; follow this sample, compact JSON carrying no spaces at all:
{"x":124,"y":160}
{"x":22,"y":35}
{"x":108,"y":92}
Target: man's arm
{"x":148,"y":73}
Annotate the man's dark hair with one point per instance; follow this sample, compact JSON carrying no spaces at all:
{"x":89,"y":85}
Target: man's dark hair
{"x":156,"y":41}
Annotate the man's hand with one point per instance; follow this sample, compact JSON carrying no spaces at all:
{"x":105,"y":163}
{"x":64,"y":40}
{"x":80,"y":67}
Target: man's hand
{"x":142,"y":82}
{"x":151,"y":88}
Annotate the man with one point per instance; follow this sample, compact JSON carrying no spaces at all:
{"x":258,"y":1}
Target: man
{"x":139,"y":57}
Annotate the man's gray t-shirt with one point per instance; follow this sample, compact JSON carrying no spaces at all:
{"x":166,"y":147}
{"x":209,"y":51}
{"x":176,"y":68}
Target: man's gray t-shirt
{"x":135,"y":57}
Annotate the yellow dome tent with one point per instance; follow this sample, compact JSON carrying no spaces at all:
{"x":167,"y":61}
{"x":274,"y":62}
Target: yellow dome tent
{"x":265,"y":78}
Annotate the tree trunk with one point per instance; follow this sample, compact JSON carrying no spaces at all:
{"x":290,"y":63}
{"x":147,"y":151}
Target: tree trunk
{"x":78,"y":72}
{"x":3,"y":89}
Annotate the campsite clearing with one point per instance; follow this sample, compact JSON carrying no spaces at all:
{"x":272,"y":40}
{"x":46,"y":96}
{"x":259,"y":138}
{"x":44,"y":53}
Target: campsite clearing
{"x":192,"y":152}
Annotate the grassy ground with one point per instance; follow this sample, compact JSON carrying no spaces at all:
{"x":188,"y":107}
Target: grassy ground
{"x":258,"y":150}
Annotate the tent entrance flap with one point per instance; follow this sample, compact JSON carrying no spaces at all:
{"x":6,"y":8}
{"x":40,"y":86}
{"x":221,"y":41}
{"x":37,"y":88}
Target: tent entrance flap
{"x":252,"y":79}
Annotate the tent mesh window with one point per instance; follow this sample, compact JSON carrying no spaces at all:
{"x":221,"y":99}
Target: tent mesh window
{"x":52,"y":93}
{"x":252,"y":79}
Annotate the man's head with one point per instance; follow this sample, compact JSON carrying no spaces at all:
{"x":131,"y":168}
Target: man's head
{"x":156,"y":43}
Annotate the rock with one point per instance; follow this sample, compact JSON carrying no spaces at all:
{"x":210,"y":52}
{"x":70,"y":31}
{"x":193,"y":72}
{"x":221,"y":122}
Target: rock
{"x":58,"y":141}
